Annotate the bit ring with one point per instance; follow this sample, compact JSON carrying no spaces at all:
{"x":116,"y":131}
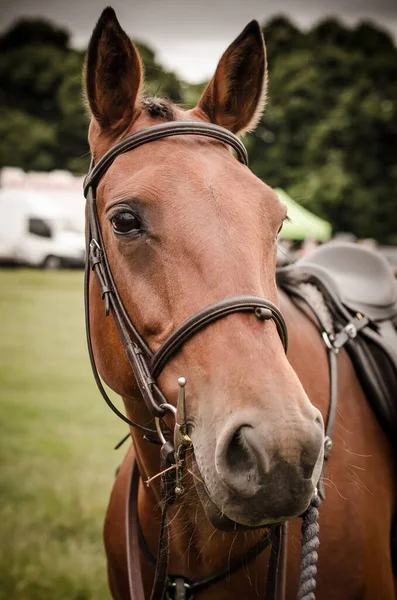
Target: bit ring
{"x":158,"y":420}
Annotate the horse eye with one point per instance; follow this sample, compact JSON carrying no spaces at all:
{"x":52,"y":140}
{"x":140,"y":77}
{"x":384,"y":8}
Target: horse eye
{"x":285,"y":220}
{"x":125,"y":222}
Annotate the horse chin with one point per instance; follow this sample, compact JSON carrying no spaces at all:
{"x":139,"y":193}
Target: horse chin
{"x":231,"y":516}
{"x":218,"y":519}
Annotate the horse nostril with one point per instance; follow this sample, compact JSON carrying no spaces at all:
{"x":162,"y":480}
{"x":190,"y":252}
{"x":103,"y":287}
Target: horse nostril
{"x":237,"y":460}
{"x":238,"y":455}
{"x":319,"y":420}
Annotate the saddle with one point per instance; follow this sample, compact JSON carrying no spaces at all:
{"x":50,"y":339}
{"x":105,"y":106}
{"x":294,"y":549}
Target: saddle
{"x":360,"y":292}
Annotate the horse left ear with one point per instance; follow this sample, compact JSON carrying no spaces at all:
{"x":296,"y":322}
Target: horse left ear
{"x":113,"y":75}
{"x":235,"y":96}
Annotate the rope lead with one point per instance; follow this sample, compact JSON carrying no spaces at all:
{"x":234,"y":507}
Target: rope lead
{"x":309,"y":556}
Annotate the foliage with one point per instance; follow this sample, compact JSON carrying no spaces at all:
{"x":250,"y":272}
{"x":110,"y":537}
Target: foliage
{"x":328,"y":136}
{"x":43,"y":120}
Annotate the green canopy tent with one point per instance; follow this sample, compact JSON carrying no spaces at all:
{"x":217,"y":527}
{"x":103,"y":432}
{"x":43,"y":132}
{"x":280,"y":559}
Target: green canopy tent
{"x":303,"y":223}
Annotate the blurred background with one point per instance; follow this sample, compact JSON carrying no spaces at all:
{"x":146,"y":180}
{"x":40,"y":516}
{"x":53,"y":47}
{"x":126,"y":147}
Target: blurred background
{"x":327,"y":142}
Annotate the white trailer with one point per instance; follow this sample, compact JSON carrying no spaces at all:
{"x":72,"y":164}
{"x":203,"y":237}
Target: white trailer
{"x":42,"y":228}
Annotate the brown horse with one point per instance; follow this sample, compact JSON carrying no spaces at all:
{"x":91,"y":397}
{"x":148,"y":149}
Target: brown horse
{"x":185,"y":225}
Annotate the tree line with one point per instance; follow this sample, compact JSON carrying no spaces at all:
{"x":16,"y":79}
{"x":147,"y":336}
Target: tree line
{"x":328,"y":135}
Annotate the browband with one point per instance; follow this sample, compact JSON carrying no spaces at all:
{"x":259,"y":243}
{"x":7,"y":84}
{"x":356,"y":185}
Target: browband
{"x":158,"y":132}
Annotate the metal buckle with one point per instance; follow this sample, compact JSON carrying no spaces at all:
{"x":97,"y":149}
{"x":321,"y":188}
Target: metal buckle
{"x":158,"y":420}
{"x":93,"y":243}
{"x":328,"y":339}
{"x":350,"y":330}
{"x":179,"y":588}
{"x":182,"y":439}
{"x":94,"y":252}
{"x":181,"y":436}
{"x":173,"y":584}
{"x":327,"y":447}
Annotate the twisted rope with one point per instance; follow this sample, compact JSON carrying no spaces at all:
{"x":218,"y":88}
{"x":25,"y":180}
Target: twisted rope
{"x":309,"y":556}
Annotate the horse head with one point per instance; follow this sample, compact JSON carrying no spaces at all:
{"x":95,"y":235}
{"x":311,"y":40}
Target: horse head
{"x":186,"y":225}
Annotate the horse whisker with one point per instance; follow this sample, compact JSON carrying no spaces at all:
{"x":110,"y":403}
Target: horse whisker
{"x":195,"y":476}
{"x":334,"y":484}
{"x":356,"y":467}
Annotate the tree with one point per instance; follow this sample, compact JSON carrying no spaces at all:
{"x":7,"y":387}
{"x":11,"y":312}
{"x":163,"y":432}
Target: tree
{"x":328,"y":136}
{"x":329,"y":133}
{"x":43,"y":126}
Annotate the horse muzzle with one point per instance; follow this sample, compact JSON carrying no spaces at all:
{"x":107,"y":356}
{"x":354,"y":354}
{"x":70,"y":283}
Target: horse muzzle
{"x":261,"y":472}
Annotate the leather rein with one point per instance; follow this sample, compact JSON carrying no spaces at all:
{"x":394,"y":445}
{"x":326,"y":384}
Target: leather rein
{"x":147,"y":366}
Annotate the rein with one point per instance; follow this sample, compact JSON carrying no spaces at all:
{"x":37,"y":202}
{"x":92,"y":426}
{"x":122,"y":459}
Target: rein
{"x":146,"y":367}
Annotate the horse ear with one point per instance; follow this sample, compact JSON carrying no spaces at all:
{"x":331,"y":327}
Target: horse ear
{"x":235,"y":96}
{"x":113,"y":74}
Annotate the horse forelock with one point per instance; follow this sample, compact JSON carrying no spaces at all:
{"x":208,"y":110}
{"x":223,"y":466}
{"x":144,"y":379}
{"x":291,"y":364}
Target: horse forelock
{"x":158,"y":107}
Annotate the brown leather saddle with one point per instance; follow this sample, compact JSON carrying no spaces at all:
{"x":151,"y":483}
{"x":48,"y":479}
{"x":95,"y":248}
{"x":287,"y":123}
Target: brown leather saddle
{"x":360,"y":292}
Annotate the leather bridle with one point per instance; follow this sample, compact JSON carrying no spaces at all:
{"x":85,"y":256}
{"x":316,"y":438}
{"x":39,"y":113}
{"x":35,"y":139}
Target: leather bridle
{"x":145,"y":365}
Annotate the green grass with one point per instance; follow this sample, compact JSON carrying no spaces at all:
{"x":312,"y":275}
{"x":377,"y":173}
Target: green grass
{"x":56,"y":437}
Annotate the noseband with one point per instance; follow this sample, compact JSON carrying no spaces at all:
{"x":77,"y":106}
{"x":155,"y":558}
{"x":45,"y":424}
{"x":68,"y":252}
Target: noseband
{"x":147,"y":366}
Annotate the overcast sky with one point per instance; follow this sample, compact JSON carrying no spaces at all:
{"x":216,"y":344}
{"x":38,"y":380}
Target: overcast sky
{"x":189,"y":37}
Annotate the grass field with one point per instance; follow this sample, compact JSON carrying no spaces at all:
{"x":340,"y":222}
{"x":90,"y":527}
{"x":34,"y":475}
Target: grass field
{"x":56,"y":440}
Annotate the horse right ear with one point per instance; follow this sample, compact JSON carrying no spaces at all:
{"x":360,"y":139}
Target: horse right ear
{"x":113,"y":75}
{"x":235,"y":96}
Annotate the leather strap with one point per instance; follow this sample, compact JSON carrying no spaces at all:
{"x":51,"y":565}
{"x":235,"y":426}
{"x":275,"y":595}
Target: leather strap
{"x":150,"y":433}
{"x":332,"y":351}
{"x":135,"y":582}
{"x":158,"y":132}
{"x":294,"y":292}
{"x":263,"y":309}
{"x":136,"y":349}
{"x":277,"y":568}
{"x":167,"y":499}
{"x":198,"y":586}
{"x":132,"y":538}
